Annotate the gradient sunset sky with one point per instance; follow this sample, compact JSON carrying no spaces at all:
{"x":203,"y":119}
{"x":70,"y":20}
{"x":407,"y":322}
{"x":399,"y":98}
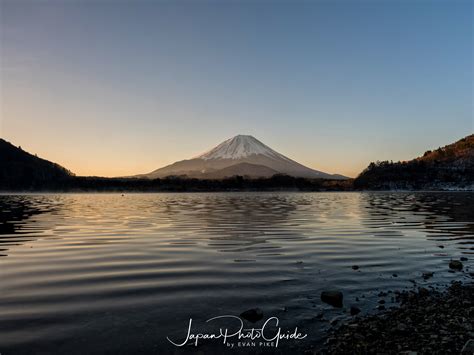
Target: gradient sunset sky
{"x":124,"y":87}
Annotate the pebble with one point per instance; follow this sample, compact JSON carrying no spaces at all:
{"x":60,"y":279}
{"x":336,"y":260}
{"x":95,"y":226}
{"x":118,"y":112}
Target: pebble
{"x":455,"y":265}
{"x":355,"y":310}
{"x":427,"y":275}
{"x":332,"y":297}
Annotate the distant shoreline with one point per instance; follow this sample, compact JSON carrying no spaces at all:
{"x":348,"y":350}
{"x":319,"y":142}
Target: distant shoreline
{"x":276,"y":183}
{"x":190,"y":191}
{"x":231,"y":185}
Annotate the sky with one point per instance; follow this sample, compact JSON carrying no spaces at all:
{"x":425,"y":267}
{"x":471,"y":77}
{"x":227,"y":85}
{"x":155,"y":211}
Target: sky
{"x":114,"y":88}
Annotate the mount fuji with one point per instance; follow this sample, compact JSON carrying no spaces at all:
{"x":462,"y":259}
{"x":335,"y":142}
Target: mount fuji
{"x":241,"y":155}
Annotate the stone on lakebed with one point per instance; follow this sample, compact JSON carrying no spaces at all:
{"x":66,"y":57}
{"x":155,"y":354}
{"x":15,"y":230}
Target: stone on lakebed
{"x":332,"y":297}
{"x":355,"y":310}
{"x":455,"y":264}
{"x":252,"y":315}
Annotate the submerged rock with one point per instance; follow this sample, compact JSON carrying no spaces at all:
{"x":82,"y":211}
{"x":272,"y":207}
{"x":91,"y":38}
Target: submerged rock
{"x":332,"y":297}
{"x":455,"y":265}
{"x":355,"y":310}
{"x":252,"y":315}
{"x":320,"y":315}
{"x":427,"y":275}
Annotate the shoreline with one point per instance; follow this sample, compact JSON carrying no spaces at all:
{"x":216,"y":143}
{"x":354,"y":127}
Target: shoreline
{"x":425,"y":321}
{"x":112,"y":191}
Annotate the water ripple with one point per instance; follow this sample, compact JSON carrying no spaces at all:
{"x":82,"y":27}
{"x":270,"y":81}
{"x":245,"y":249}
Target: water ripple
{"x":89,"y":273}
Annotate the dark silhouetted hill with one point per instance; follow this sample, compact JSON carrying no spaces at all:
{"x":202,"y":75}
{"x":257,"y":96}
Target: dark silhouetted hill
{"x":20,"y":170}
{"x":449,"y":167}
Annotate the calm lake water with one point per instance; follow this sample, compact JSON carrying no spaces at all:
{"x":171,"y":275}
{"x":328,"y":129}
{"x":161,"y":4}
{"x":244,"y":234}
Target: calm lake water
{"x":106,"y":273}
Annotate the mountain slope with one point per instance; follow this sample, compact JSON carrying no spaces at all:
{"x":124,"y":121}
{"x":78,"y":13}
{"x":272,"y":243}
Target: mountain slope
{"x":449,"y":167}
{"x":19,"y":169}
{"x":233,"y":152}
{"x":241,"y":169}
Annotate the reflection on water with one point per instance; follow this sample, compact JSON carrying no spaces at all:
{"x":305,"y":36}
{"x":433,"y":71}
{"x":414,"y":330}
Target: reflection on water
{"x":17,"y":218}
{"x":91,"y":273}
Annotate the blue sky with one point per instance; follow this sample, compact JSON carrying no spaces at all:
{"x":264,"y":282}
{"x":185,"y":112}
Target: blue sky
{"x":124,"y":87}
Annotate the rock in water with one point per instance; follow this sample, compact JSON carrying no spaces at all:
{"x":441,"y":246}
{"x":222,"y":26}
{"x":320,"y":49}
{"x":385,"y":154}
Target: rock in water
{"x":427,"y":275}
{"x":455,"y":264}
{"x":355,"y":310}
{"x":252,"y":315}
{"x":332,"y":297}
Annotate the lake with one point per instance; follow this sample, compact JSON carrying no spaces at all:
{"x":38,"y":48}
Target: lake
{"x":123,"y":274}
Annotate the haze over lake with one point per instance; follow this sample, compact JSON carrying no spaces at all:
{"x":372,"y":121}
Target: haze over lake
{"x":97,"y":273}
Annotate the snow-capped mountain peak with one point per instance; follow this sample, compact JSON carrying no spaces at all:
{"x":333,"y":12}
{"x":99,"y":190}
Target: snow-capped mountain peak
{"x":238,"y":147}
{"x":242,"y":155}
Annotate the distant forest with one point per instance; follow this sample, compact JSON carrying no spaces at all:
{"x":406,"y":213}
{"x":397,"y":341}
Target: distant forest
{"x":449,"y":167}
{"x":178,"y":184}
